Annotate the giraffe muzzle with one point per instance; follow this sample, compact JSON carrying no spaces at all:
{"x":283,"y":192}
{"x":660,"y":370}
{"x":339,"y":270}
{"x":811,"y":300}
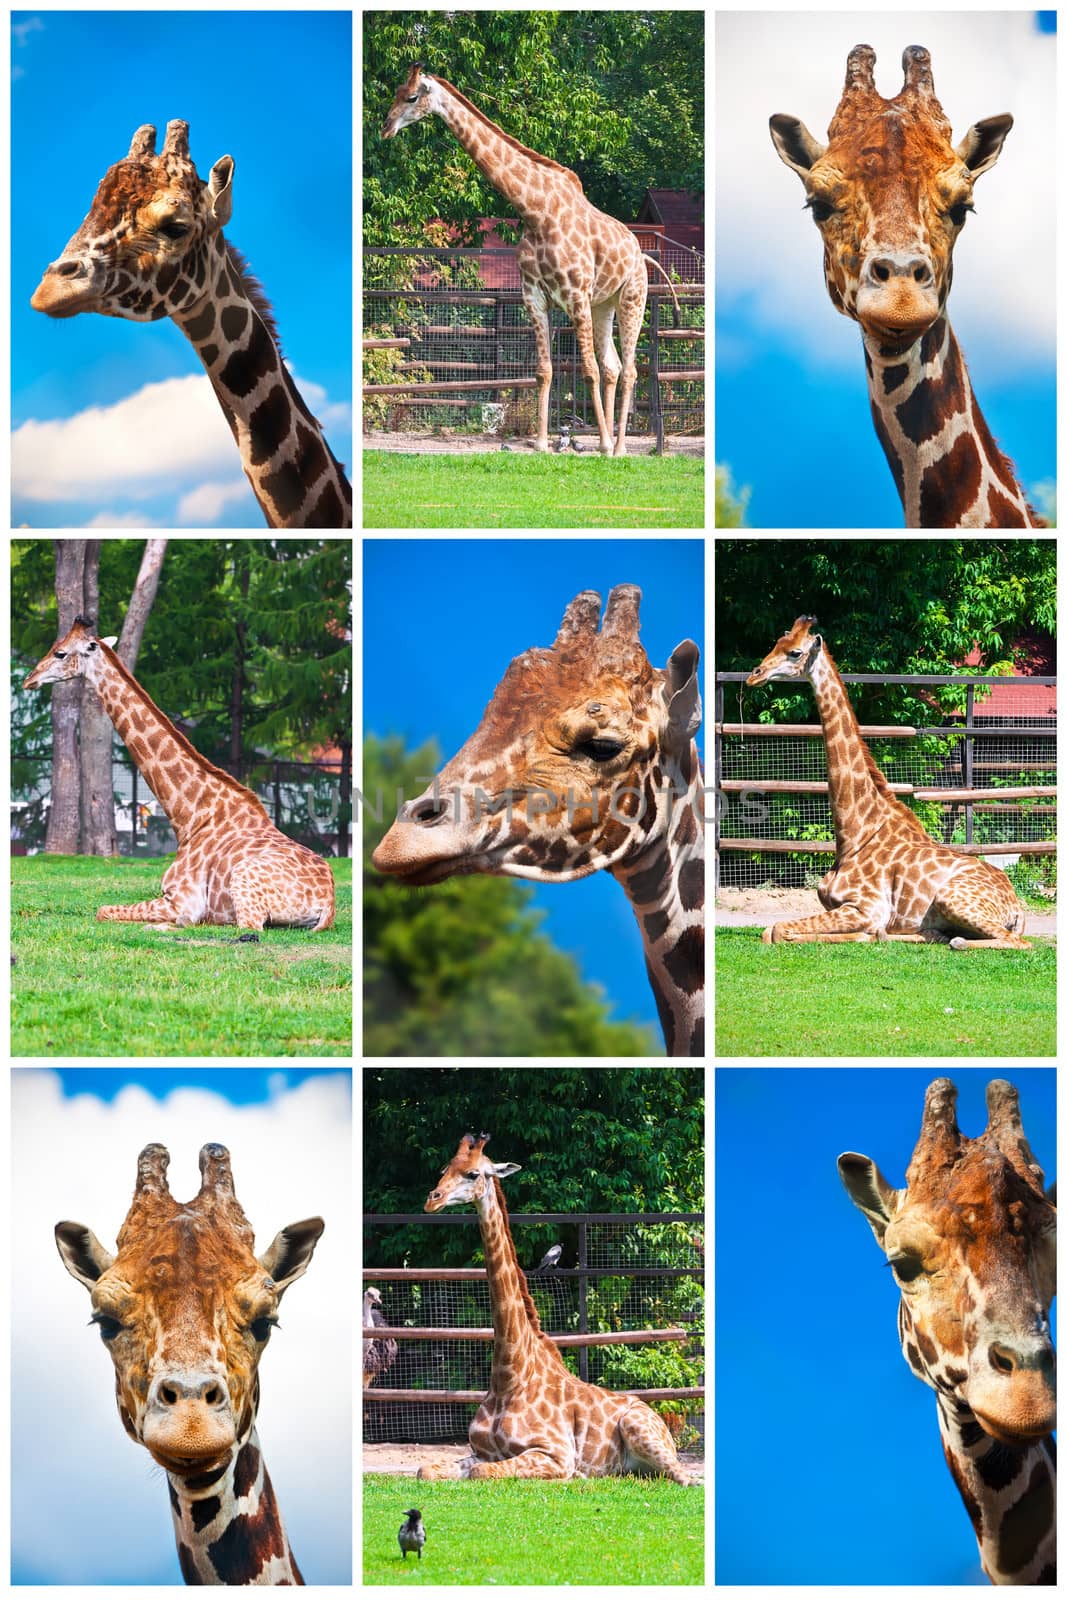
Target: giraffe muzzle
{"x":188,"y":1424}
{"x":66,"y":289}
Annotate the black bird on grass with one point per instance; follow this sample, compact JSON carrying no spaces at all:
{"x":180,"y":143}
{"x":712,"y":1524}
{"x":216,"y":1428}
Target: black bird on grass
{"x":412,"y":1535}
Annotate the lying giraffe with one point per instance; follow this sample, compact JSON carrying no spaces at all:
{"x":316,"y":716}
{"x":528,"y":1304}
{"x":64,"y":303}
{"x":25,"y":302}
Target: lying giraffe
{"x":186,"y":1309}
{"x":889,"y":880}
{"x":538,"y":1420}
{"x":972,"y":1244}
{"x":233,"y":865}
{"x":890,"y":196}
{"x":152,"y":246}
{"x":584,"y":760}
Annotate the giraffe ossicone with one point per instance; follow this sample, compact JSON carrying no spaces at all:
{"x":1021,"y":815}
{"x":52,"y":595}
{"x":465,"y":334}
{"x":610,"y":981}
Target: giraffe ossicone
{"x":890,"y":879}
{"x":538,"y":1420}
{"x":152,"y":246}
{"x":584,"y":760}
{"x":571,"y":254}
{"x":233,"y":866}
{"x":890,"y":196}
{"x":186,"y":1309}
{"x":971,"y":1241}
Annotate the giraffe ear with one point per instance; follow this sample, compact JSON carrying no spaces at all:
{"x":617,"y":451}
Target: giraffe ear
{"x":220,"y":190}
{"x":504,"y":1169}
{"x":794,"y":143}
{"x":681,"y":690}
{"x":111,"y":640}
{"x":868,"y":1190}
{"x":291,"y":1252}
{"x":81,"y":1252}
{"x":982,"y":144}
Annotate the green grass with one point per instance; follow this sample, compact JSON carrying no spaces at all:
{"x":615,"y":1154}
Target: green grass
{"x":586,"y":1531}
{"x":87,"y":988}
{"x":881,"y":999}
{"x":531,"y":491}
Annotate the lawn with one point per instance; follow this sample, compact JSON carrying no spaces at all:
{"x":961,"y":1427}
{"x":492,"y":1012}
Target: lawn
{"x":592,"y":1531}
{"x":531,"y":491}
{"x":85,"y":988}
{"x":881,"y":999}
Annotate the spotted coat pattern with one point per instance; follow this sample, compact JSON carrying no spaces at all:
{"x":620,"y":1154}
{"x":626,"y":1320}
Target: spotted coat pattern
{"x":233,"y":866}
{"x":584,"y":760}
{"x":890,"y":195}
{"x":538,"y":1420}
{"x":571,"y":255}
{"x":889,"y":879}
{"x":186,"y":1309}
{"x":972,"y":1244}
{"x":152,"y":246}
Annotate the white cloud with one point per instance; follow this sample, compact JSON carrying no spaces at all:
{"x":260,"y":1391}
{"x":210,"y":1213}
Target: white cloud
{"x":202,"y":507}
{"x":20,"y":31}
{"x":121,"y":519}
{"x":76,"y":1159}
{"x":1003,"y":295}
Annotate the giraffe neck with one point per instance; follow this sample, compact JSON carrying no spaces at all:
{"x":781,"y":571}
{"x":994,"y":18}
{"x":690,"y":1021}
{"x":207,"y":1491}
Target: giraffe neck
{"x":945,"y":462}
{"x":529,"y":182}
{"x":183,"y":782}
{"x":292,"y":470}
{"x":1009,"y":1495}
{"x":518,"y":1343}
{"x":227,"y":1524}
{"x":664,"y":882}
{"x":860,"y":799}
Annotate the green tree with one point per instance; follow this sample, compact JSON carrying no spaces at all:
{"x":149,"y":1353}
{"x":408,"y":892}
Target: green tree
{"x":463,"y":969}
{"x":730,"y":503}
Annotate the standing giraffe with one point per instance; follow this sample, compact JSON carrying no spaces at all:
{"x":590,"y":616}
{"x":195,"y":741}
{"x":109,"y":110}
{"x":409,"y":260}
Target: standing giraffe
{"x":972,"y":1244}
{"x":890,"y":196}
{"x":152,"y":246}
{"x":584,"y":759}
{"x":890,"y":880}
{"x":233,"y":865}
{"x":538,"y":1420}
{"x":186,"y":1310}
{"x":571,"y":255}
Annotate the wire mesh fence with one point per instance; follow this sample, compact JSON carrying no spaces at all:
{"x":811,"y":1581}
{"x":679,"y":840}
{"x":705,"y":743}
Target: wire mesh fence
{"x":984,"y":782}
{"x":637,"y":1279}
{"x":448,"y":346}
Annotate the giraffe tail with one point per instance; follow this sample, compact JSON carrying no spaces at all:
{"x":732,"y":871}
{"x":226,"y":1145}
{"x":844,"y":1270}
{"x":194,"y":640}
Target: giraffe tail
{"x":144,"y":911}
{"x":677,"y":309}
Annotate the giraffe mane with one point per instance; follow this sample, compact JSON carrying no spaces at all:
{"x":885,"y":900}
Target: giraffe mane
{"x":527,"y":1299}
{"x":254,"y":290}
{"x":532,"y":155}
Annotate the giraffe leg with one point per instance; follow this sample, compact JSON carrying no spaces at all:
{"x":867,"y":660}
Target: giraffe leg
{"x":632,"y":299}
{"x":537,"y":310}
{"x":649,"y":1446}
{"x":842,"y":925}
{"x":527,"y":1464}
{"x":159,"y":910}
{"x":582,"y":319}
{"x":610,"y":365}
{"x":977,"y":923}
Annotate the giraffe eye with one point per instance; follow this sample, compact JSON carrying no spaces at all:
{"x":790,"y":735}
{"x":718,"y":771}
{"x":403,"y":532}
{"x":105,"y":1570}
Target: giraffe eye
{"x":60,"y":655}
{"x":821,"y":210}
{"x":110,"y":1327}
{"x":793,"y":654}
{"x":958,"y":212}
{"x":906,"y":1268}
{"x":260,"y":1329}
{"x":599,"y":749}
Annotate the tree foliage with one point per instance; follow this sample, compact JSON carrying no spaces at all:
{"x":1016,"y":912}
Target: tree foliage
{"x":618,"y":96}
{"x":462,"y":968}
{"x":730,"y":503}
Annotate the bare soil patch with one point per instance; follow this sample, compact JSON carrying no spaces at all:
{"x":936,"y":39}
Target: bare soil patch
{"x":404,"y":1460}
{"x":425,"y":444}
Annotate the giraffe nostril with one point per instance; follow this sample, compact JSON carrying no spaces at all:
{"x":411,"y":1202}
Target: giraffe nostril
{"x":213,"y":1396}
{"x":169,"y":1394}
{"x":67,"y":269}
{"x":427,"y":811}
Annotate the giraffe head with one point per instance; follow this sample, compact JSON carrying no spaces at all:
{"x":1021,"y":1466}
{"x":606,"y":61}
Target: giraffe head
{"x":972,"y":1244}
{"x":413,"y":100}
{"x":576,"y":762}
{"x":468,"y":1175}
{"x":69,"y":657}
{"x":792,"y":657}
{"x":143,"y":252}
{"x":186,"y":1309}
{"x":889,"y":195}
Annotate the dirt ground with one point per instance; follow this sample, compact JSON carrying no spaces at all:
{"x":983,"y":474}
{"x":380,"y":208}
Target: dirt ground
{"x":426,"y":444}
{"x":404,"y":1460}
{"x":756,"y":908}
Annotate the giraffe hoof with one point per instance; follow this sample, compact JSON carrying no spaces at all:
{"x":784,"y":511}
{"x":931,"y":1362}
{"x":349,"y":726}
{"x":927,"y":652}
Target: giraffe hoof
{"x":959,"y":943}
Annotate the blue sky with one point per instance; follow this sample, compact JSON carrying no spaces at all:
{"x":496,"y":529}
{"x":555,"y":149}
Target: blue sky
{"x":273,"y":90}
{"x":469,"y":607}
{"x":817,"y":1413}
{"x":792,"y":415}
{"x":76,"y":1135}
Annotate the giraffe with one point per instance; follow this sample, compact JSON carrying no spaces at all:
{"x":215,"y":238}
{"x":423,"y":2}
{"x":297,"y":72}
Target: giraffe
{"x":971,"y":1241}
{"x":233,"y":865}
{"x":890,"y":196}
{"x":890,"y":879}
{"x":571,"y":255}
{"x":538,"y":1420}
{"x":186,"y":1310}
{"x":152,"y":246}
{"x":584,"y":759}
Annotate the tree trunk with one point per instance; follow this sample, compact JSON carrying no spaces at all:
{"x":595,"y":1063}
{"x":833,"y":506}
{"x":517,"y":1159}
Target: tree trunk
{"x":64,"y":810}
{"x":98,"y":836}
{"x":345,"y":797}
{"x":141,"y":601}
{"x":237,"y":688}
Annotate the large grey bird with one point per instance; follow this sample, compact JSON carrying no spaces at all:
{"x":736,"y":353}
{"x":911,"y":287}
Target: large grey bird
{"x":412,"y":1535}
{"x":378,"y":1354}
